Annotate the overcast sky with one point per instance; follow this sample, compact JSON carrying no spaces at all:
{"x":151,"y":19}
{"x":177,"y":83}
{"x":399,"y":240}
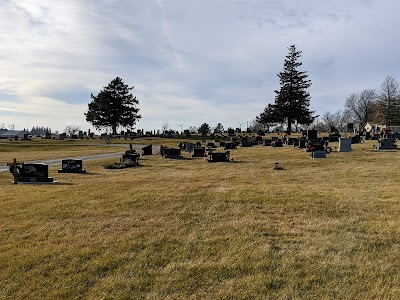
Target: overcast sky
{"x":191,"y":61}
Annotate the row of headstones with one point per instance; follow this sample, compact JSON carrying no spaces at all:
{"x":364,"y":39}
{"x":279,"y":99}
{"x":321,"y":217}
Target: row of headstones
{"x":198,"y":152}
{"x":37,"y":172}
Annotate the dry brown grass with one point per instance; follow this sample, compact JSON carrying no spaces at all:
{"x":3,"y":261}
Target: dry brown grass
{"x":187,"y":229}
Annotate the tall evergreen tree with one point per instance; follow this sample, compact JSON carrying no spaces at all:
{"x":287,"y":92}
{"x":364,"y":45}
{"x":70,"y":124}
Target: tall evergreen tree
{"x":292,"y":100}
{"x":114,"y":106}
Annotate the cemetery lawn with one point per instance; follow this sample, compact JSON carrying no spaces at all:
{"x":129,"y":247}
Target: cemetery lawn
{"x":188,"y":229}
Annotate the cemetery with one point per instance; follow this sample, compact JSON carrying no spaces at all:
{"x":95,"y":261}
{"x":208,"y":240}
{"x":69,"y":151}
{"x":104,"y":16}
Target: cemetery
{"x":156,"y":225}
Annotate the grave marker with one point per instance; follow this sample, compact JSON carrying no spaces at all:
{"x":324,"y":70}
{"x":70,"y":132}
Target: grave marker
{"x":173,"y":153}
{"x":32,"y":172}
{"x":344,"y":144}
{"x":147,"y":150}
{"x":219,"y":156}
{"x":318,"y":154}
{"x":71,"y":166}
{"x":199,"y":152}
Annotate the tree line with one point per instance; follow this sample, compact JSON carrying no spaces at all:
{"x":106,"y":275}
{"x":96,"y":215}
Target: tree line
{"x":115,"y":105}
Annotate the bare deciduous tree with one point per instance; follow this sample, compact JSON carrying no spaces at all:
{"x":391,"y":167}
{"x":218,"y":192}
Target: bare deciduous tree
{"x":360,"y":107}
{"x":388,"y":105}
{"x":72,"y":129}
{"x":165,"y":126}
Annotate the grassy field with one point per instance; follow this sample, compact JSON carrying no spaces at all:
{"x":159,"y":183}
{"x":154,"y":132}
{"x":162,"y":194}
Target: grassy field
{"x":188,"y":229}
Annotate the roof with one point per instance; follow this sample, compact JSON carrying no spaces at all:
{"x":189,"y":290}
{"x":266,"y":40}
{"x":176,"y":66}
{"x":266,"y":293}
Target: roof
{"x":12,"y":133}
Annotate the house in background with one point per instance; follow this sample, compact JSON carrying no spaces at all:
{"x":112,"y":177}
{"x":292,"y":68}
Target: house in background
{"x":371,"y":127}
{"x":11,"y":134}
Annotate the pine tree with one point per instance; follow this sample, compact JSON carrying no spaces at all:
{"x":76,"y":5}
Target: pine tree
{"x":292,"y":101}
{"x":114,"y":106}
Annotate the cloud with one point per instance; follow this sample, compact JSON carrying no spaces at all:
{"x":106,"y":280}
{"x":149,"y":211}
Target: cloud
{"x":193,"y":61}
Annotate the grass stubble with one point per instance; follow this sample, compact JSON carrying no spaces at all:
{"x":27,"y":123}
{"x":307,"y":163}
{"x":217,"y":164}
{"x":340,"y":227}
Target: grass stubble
{"x":187,"y":229}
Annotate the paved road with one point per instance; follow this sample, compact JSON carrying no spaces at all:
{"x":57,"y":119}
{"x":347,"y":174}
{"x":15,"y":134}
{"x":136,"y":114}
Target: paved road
{"x":52,"y":162}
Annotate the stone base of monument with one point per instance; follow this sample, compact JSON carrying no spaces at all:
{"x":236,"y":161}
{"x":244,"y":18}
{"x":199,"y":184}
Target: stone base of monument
{"x":36,"y":180}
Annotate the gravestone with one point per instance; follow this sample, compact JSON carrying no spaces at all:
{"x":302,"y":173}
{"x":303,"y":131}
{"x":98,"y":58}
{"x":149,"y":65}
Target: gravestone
{"x":315,"y":145}
{"x":230,"y":146}
{"x":91,"y":135}
{"x":74,"y":136}
{"x":277,"y":143}
{"x":318,"y":154}
{"x":174,"y":153}
{"x":350,"y":127}
{"x":71,"y":166}
{"x":387,"y":144}
{"x":258,"y":139}
{"x":231,"y":132}
{"x":32,"y":172}
{"x":268,"y":142}
{"x":291,"y":141}
{"x":199,"y":152}
{"x":147,"y":150}
{"x":344,"y":145}
{"x":186,"y":132}
{"x":26,"y":137}
{"x":132,"y":155}
{"x":312,"y":134}
{"x":375,"y":137}
{"x":334,"y":137}
{"x":246,"y":143}
{"x":189,"y":147}
{"x":61,"y":137}
{"x":302,"y":143}
{"x":260,"y":133}
{"x":219,"y":156}
{"x":48,"y":136}
{"x":222,"y":144}
{"x":274,"y":138}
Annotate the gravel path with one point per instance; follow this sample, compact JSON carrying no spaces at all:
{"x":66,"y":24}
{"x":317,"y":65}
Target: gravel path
{"x":52,"y":162}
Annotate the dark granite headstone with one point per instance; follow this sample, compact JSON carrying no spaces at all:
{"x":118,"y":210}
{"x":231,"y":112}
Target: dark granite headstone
{"x":33,"y":173}
{"x":147,"y":150}
{"x":219,"y":157}
{"x":71,"y":166}
{"x":376,"y":137}
{"x":356,"y":139}
{"x":387,"y":144}
{"x":174,"y":153}
{"x":189,"y":147}
{"x":229,"y":146}
{"x":312,"y":134}
{"x":268,"y":142}
{"x":199,"y":152}
{"x":246,"y":143}
{"x":277,"y":143}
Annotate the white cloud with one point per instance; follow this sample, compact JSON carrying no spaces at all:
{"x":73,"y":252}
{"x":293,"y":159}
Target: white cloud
{"x":190,"y":61}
